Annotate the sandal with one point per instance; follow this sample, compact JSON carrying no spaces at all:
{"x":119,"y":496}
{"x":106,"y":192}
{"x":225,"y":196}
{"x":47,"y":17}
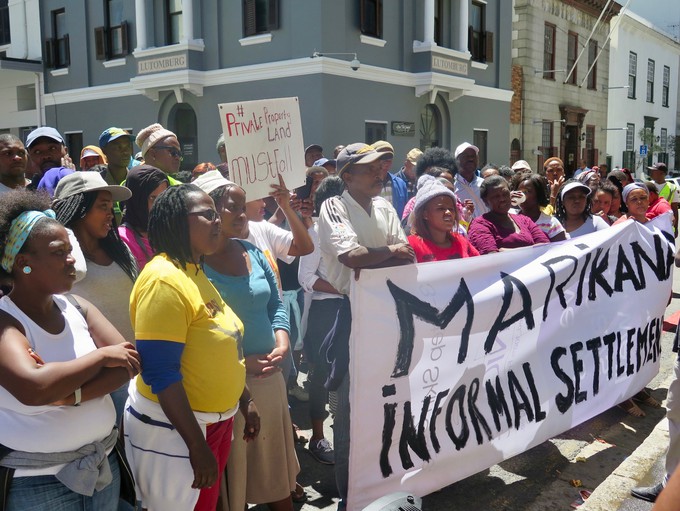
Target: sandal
{"x":299,"y":439}
{"x":631,"y":408}
{"x":646,"y":399}
{"x":299,"y":495}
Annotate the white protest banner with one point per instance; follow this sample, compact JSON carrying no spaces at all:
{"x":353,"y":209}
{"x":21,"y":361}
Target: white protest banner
{"x":263,"y":139}
{"x":458,"y":365}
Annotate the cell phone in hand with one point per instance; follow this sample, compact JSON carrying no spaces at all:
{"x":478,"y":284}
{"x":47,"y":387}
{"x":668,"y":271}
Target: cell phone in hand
{"x":304,"y":191}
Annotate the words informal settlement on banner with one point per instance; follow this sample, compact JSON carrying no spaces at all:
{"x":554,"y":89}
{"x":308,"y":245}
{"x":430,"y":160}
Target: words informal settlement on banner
{"x":458,"y":365}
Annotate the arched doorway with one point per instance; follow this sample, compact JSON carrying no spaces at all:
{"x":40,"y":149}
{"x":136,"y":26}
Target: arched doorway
{"x":515,"y":151}
{"x":182,"y":121}
{"x":430,"y":127}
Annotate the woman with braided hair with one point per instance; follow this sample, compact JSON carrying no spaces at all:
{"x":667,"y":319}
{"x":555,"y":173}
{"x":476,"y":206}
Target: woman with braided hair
{"x":57,"y":366}
{"x":83,"y":202}
{"x":180,"y":414}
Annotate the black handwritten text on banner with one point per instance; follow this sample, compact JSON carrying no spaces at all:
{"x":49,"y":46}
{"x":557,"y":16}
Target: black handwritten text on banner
{"x":458,"y":365}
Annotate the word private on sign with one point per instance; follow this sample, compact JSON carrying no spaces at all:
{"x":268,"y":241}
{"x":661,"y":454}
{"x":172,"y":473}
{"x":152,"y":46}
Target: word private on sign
{"x":263,"y":140}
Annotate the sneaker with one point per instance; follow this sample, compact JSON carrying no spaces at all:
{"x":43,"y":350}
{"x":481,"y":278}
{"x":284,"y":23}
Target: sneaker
{"x":298,"y":393}
{"x":322,"y":451}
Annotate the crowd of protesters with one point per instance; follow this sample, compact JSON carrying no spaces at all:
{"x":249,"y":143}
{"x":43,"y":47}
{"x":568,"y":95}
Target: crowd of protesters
{"x":153,"y":320}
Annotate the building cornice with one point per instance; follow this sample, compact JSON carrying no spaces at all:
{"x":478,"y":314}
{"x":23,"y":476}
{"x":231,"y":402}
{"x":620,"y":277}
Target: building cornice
{"x":594,"y":7}
{"x":195,"y":81}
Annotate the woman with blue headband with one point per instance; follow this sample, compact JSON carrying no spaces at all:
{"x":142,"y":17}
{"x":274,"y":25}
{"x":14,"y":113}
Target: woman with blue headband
{"x":59,"y":360}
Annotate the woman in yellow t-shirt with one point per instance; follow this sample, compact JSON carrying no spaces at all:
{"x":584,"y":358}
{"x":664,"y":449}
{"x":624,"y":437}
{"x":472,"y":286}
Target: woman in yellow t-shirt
{"x":179,"y":415}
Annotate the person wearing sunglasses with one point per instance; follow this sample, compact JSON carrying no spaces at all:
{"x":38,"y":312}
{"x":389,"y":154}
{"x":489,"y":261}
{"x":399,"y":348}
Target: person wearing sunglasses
{"x":160,"y":148}
{"x":180,"y":414}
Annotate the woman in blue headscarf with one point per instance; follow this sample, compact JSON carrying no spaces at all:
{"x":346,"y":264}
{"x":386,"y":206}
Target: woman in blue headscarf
{"x":59,"y":360}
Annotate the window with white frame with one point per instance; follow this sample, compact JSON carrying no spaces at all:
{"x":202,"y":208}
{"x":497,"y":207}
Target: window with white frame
{"x":650,"y":81}
{"x":630,"y":137}
{"x":632,"y":74}
{"x":628,"y":157}
{"x":666,"y":85}
{"x":663,"y":142}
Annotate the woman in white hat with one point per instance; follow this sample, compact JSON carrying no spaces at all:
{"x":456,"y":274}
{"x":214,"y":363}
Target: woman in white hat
{"x":572,"y":209}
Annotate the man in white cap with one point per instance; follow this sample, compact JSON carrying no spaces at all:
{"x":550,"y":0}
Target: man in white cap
{"x":46,"y":150}
{"x":467,"y":182}
{"x":358,"y":229}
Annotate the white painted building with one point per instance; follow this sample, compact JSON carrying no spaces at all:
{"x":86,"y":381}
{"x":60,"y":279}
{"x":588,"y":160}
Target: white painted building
{"x":643,"y":94}
{"x":21,"y":69}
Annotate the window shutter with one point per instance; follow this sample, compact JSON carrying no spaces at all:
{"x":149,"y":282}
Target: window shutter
{"x":100,"y":43}
{"x":67,"y":51}
{"x":49,"y":53}
{"x":362,"y":17}
{"x":124,"y":37}
{"x":378,"y":22}
{"x":488,"y":46}
{"x":273,"y":15}
{"x":249,"y":18}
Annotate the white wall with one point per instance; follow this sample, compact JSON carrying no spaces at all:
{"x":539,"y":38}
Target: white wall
{"x":638,"y":35}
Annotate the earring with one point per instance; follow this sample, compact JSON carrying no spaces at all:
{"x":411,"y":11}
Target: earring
{"x":27,"y":270}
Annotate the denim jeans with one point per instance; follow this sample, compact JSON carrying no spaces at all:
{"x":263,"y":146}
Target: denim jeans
{"x":341,"y":441}
{"x":46,"y":493}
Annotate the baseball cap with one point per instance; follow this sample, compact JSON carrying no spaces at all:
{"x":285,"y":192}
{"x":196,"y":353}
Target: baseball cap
{"x":313,"y":146}
{"x":464,"y":147}
{"x":413,"y":155}
{"x":111,"y":134}
{"x":89,"y":152}
{"x":571,"y":186}
{"x":322,"y":161}
{"x":659,"y":166}
{"x":383,"y":146}
{"x":81,"y":182}
{"x":520,"y":165}
{"x":357,"y":153}
{"x":43,"y":131}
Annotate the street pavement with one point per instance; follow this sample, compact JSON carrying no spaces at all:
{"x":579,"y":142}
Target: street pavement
{"x":607,"y":455}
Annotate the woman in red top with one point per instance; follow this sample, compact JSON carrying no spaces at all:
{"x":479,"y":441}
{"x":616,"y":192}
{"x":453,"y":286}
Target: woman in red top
{"x":435,"y":236}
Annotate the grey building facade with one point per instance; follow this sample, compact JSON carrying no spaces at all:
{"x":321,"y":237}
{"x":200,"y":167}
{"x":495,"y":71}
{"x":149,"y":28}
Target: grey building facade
{"x":432,"y":72}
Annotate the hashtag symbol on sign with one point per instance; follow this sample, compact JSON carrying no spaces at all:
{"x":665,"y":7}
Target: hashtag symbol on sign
{"x":239,"y":111}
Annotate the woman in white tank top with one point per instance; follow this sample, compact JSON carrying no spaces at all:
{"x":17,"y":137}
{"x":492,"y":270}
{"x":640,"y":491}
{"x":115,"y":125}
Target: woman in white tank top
{"x":57,"y":366}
